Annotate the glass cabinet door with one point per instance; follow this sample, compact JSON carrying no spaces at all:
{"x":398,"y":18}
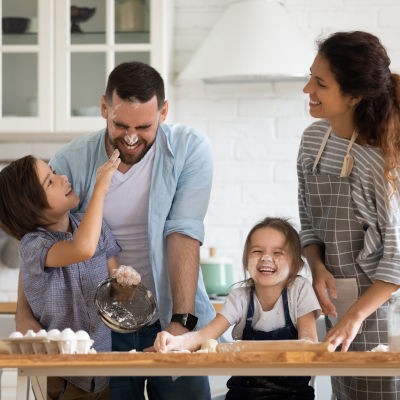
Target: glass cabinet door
{"x":99,"y":35}
{"x":55,"y":57}
{"x":24,"y":92}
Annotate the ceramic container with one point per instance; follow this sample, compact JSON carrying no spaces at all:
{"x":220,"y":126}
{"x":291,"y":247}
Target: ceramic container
{"x":217,"y":274}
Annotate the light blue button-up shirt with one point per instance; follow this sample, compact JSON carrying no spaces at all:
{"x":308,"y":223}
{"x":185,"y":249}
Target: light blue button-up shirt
{"x":179,"y":195}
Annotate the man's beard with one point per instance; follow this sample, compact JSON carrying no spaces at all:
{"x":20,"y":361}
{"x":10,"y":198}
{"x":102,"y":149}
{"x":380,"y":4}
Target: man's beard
{"x":129,"y":159}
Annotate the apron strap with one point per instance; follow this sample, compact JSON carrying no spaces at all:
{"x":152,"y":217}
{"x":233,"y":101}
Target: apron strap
{"x":321,"y":148}
{"x":348,"y":160}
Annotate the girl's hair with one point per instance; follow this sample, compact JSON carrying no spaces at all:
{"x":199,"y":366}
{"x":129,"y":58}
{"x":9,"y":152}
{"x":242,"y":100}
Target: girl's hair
{"x":292,"y":240}
{"x":360,"y":65}
{"x":22,"y":198}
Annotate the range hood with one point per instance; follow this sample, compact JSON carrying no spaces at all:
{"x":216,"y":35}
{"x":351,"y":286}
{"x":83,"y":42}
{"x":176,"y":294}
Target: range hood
{"x":254,"y":40}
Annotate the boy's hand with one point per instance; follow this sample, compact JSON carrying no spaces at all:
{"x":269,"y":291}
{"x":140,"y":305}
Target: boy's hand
{"x":125,"y":281}
{"x":126,"y":275}
{"x":105,"y":172}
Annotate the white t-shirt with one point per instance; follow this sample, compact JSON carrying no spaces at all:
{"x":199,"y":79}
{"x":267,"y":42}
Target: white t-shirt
{"x":126,"y":212}
{"x":301,"y":299}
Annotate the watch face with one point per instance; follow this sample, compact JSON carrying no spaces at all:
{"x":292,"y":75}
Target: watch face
{"x":188,"y":320}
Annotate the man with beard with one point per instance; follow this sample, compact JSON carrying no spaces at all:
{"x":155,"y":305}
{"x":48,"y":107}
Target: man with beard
{"x":155,"y":207}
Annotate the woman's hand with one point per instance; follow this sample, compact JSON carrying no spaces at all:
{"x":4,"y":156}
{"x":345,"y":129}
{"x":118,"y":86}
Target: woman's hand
{"x":323,"y":280}
{"x":324,"y":283}
{"x":344,"y":331}
{"x":347,"y":328}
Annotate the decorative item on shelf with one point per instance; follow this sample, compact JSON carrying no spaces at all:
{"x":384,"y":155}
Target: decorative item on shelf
{"x":15,"y":24}
{"x":78,"y":15}
{"x":87,"y":111}
{"x":217,"y":274}
{"x":132,"y":15}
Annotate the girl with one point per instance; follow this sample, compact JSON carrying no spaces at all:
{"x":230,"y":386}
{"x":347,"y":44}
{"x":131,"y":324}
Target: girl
{"x":272,"y":304}
{"x":64,"y":256}
{"x":349,"y":199}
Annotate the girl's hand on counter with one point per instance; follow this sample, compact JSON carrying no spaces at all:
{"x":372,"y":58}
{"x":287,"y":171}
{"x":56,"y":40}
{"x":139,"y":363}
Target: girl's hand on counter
{"x":165,"y":342}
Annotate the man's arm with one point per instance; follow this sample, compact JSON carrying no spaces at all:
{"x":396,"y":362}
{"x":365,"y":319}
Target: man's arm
{"x":183,"y":266}
{"x":24,"y":319}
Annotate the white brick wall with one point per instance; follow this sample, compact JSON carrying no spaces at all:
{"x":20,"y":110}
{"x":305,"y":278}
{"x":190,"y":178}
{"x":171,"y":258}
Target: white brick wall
{"x":255,"y":128}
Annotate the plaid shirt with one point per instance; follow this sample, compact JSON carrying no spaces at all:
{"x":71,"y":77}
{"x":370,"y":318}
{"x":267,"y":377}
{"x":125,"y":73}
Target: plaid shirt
{"x":64,"y":297}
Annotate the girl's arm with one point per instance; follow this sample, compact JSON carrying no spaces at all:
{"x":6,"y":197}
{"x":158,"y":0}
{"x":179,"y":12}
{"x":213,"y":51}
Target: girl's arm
{"x":307,"y":327}
{"x":191,"y":340}
{"x":86,"y":237}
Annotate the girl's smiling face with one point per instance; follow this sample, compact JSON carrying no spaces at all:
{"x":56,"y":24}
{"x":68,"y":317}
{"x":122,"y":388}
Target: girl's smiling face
{"x":269,"y":261}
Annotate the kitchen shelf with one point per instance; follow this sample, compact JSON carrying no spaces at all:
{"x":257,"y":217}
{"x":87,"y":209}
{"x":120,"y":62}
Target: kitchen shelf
{"x":20,"y":38}
{"x":8,"y":308}
{"x":120,"y":37}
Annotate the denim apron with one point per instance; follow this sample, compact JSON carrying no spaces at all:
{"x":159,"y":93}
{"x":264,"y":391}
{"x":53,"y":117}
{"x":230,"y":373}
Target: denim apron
{"x":270,"y":387}
{"x":334,"y":221}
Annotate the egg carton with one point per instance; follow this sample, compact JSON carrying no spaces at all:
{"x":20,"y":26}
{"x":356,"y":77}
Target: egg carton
{"x":41,"y":345}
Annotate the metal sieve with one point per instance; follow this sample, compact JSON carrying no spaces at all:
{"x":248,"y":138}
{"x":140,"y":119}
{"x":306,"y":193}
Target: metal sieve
{"x":124,"y":309}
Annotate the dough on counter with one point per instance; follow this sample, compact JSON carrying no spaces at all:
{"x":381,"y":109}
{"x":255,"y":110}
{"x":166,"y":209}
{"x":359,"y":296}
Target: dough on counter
{"x":210,"y":345}
{"x":180,"y":351}
{"x":380,"y":348}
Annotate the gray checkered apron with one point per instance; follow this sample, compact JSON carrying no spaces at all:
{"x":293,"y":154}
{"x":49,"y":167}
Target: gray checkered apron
{"x":333,"y":218}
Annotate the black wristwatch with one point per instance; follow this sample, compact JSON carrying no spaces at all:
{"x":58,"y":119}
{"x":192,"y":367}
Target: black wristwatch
{"x":188,"y":320}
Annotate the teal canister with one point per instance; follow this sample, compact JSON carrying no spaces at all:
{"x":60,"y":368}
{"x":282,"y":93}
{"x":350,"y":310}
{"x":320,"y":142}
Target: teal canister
{"x":217,"y":273}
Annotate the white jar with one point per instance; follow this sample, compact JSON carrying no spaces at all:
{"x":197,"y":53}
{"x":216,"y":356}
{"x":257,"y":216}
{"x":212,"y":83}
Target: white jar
{"x":393,"y":320}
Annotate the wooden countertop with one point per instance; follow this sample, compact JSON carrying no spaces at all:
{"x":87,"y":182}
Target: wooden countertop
{"x":217,"y":306}
{"x":234,"y":363}
{"x":8,"y":307}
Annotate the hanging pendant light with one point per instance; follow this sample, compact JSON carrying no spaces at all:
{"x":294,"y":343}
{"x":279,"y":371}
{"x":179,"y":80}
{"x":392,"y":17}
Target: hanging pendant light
{"x":254,"y":40}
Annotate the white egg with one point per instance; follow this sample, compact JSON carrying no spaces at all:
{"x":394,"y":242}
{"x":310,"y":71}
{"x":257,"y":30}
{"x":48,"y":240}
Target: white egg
{"x":82,"y":335}
{"x":53,"y":334}
{"x":42,"y":333}
{"x":68,"y":334}
{"x":16,"y":335}
{"x":30,"y":333}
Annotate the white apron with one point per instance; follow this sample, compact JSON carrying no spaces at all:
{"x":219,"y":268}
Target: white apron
{"x":333,"y":218}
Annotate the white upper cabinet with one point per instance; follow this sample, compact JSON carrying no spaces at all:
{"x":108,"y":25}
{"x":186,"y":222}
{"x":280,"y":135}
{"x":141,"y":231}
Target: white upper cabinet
{"x":54,"y":72}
